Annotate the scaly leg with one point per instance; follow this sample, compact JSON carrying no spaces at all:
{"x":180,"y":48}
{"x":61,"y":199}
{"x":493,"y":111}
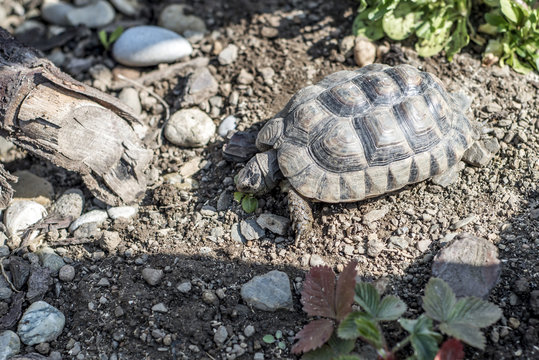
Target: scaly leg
{"x":300,"y":214}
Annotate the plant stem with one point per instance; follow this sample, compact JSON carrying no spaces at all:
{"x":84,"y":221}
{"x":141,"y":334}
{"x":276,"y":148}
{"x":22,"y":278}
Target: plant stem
{"x":401,"y":344}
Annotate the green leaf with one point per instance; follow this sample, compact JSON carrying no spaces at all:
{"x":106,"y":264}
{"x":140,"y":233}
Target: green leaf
{"x":434,"y":43}
{"x":116,"y":34}
{"x":401,"y":22}
{"x":390,"y":308}
{"x":471,"y":335}
{"x":281,"y":345}
{"x":238,"y":196}
{"x":509,"y":11}
{"x":439,"y":299}
{"x":518,"y":66}
{"x":368,"y":298}
{"x":424,"y":340}
{"x":475,"y":311}
{"x":278,"y":334}
{"x":249,"y":204}
{"x":334,"y":348}
{"x":458,"y":40}
{"x":347,"y":328}
{"x":371,"y":30}
{"x":268,"y":339}
{"x":358,"y":324}
{"x":102,"y":35}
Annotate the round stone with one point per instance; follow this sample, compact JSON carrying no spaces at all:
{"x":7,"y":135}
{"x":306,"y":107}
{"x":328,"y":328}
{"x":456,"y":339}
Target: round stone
{"x":20,"y":215}
{"x":9,"y":344}
{"x":55,"y":12}
{"x":173,"y":18}
{"x":150,"y":45}
{"x":41,"y":322}
{"x":152,"y":276}
{"x":66,"y":273}
{"x":189,"y":128}
{"x":228,"y":123}
{"x":93,"y":15}
{"x":94,"y":216}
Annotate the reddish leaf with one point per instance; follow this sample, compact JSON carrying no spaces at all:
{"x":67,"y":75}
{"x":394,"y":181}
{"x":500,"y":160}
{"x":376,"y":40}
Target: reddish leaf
{"x":313,"y":335}
{"x":344,"y":295}
{"x":452,"y":349}
{"x":318,"y":295}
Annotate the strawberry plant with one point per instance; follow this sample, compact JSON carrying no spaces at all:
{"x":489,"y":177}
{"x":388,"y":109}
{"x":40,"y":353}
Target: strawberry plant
{"x":334,"y":333}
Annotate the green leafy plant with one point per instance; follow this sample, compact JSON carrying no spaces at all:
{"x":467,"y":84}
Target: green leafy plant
{"x":333,"y":335}
{"x":277,"y":339}
{"x":446,"y":26}
{"x":249,"y":203}
{"x":108,"y":40}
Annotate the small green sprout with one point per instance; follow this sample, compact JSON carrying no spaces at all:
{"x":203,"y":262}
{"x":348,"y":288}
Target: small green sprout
{"x":249,"y":203}
{"x":108,"y":40}
{"x":277,"y":339}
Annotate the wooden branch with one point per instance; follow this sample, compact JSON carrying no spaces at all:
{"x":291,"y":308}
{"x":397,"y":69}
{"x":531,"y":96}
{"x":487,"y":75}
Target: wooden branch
{"x":77,"y":127}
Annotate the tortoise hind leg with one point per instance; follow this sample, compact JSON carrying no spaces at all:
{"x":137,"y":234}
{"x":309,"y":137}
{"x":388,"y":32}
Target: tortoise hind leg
{"x":300,"y":214}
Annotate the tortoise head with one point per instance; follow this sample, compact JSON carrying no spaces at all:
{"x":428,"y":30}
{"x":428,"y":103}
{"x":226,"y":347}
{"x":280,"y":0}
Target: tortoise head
{"x":260,"y":174}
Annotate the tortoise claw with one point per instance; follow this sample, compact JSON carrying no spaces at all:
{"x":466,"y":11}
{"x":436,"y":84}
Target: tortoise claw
{"x":300,"y":214}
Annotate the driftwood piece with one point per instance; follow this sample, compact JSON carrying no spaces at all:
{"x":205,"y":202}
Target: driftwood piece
{"x":77,"y":127}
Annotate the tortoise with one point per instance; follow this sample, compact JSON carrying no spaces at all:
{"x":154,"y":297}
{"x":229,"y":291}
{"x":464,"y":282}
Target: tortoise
{"x":357,"y":135}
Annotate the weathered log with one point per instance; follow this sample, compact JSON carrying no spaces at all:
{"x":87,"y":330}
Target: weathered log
{"x":75,"y":126}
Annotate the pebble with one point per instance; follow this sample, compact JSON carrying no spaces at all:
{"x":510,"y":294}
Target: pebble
{"x":251,"y":230}
{"x":109,"y":240}
{"x":534,"y":301}
{"x":200,"y":86}
{"x":229,"y":123}
{"x":20,"y":215}
{"x":20,"y":271}
{"x":130,"y":97}
{"x":91,"y":217}
{"x":464,"y":222}
{"x":316,"y":260}
{"x":189,"y":128}
{"x":228,"y":55}
{"x":267,"y":74}
{"x":235,"y":233}
{"x":32,"y":187}
{"x":220,"y":335}
{"x":70,"y":203}
{"x":477,"y":155}
{"x":9,"y":344}
{"x":268,"y":292}
{"x":450,"y":176}
{"x":103,"y":282}
{"x":374,"y":245}
{"x":398,"y":242}
{"x":127,"y":7}
{"x":149,"y":45}
{"x":423,"y":245}
{"x":124,"y":212}
{"x":184,"y":287}
{"x":55,"y":12}
{"x":93,"y":15}
{"x":274,"y":223}
{"x":346,"y":46}
{"x":249,"y":330}
{"x":152,"y":276}
{"x":375,"y":215}
{"x":50,"y":259}
{"x":41,"y":322}
{"x":5,"y":289}
{"x":38,"y":282}
{"x":364,"y":52}
{"x":258,"y":356}
{"x":470,"y":265}
{"x":160,"y":308}
{"x":245,"y":77}
{"x":173,"y":18}
{"x":209,"y":297}
{"x":66,"y":273}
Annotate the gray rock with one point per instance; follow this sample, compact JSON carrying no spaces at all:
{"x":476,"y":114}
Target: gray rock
{"x":160,"y":308}
{"x":399,"y":242}
{"x":477,"y":155}
{"x":235,"y":233}
{"x":267,"y":74}
{"x":93,"y":15}
{"x":41,"y":322}
{"x":316,"y":260}
{"x":95,"y":216}
{"x":38,"y":283}
{"x":534,"y":301}
{"x":5,"y":289}
{"x":127,"y":7}
{"x":251,"y":230}
{"x":225,"y":201}
{"x":228,"y":55}
{"x":189,"y":128}
{"x":423,"y":245}
{"x":104,"y":282}
{"x":20,"y":271}
{"x":464,"y":222}
{"x":4,"y":249}
{"x":130,"y":97}
{"x":152,"y":276}
{"x":201,"y":85}
{"x":209,"y":297}
{"x":125,"y":212}
{"x":9,"y":344}
{"x":268,"y":292}
{"x":374,"y":246}
{"x":173,"y":18}
{"x":450,"y":176}
{"x":375,"y":215}
{"x":70,"y":203}
{"x":50,"y":259}
{"x":258,"y":356}
{"x":229,"y":123}
{"x":220,"y":335}
{"x":470,"y":265}
{"x":184,"y":287}
{"x":245,"y":77}
{"x":66,"y":273}
{"x":109,"y":240}
{"x":55,"y":12}
{"x":30,"y":29}
{"x":249,"y":330}
{"x":274,"y":223}
{"x":150,"y":45}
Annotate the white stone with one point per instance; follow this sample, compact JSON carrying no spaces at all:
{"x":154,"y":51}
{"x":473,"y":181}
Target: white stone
{"x":150,"y":45}
{"x":173,"y":18}
{"x":93,"y":15}
{"x":20,"y":215}
{"x":9,"y":344}
{"x":228,"y":123}
{"x":94,"y":216}
{"x":228,"y":55}
{"x":125,"y":212}
{"x":189,"y":128}
{"x":274,"y":223}
{"x":41,"y":322}
{"x":130,"y":97}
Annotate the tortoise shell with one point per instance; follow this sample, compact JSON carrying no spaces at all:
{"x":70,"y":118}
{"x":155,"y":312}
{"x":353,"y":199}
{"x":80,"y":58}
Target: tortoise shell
{"x":359,"y":134}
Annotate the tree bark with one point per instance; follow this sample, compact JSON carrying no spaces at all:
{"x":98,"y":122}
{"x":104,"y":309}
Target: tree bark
{"x":75,"y":126}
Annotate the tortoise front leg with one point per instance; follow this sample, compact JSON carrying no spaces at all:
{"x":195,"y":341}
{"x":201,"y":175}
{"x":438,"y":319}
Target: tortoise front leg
{"x":300,"y":214}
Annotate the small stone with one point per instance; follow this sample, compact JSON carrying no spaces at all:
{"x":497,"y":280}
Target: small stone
{"x":130,"y":97}
{"x":19,"y":216}
{"x":95,"y":216}
{"x":160,"y":308}
{"x":50,"y":259}
{"x":41,"y":322}
{"x":173,"y":18}
{"x":513,"y":322}
{"x":235,"y":234}
{"x":55,"y":12}
{"x":534,"y":301}
{"x":423,"y":245}
{"x":374,"y":246}
{"x":209,"y":297}
{"x":149,"y":45}
{"x":251,"y":230}
{"x":267,"y":74}
{"x":249,"y":330}
{"x":32,"y":187}
{"x":184,"y":287}
{"x":119,"y":311}
{"x":228,"y":55}
{"x":94,"y":15}
{"x":228,"y":124}
{"x":364,"y":52}
{"x":38,"y":283}
{"x":269,"y":32}
{"x":66,"y":273}
{"x":268,"y":292}
{"x":448,"y":177}
{"x":245,"y":77}
{"x":43,"y":348}
{"x":152,"y":276}
{"x":464,"y":222}
{"x":70,"y":203}
{"x":9,"y":344}
{"x":348,"y":250}
{"x":191,"y":167}
{"x":104,"y":282}
{"x":5,"y":289}
{"x":477,"y":155}
{"x":274,"y":223}
{"x":398,"y":242}
{"x":189,"y":128}
{"x":493,"y":107}
{"x":522,"y":286}
{"x":220,"y":335}
{"x":470,"y":265}
{"x":109,"y":240}
{"x":375,"y":215}
{"x":316,"y":260}
{"x":346,"y":47}
{"x":201,"y":85}
{"x":127,"y":7}
{"x":124,"y":212}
